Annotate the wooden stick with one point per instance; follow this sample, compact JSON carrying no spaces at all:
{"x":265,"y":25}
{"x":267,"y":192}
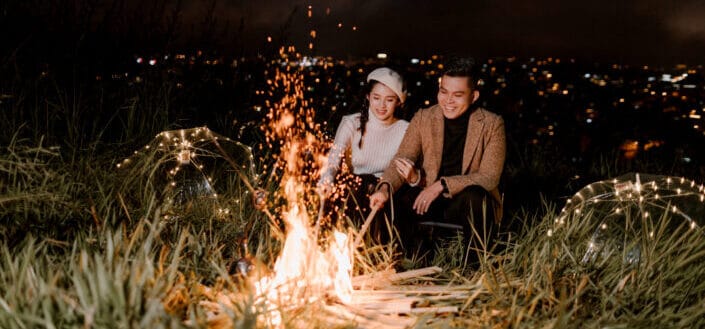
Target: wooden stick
{"x":372,"y":276}
{"x":386,"y":278}
{"x":371,"y":319}
{"x":364,"y":227}
{"x":416,"y":289}
{"x":415,"y":273}
{"x":442,"y":309}
{"x":390,"y":307}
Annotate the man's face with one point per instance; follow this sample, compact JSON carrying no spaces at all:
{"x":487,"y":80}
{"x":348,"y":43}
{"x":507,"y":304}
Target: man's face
{"x":455,"y":96}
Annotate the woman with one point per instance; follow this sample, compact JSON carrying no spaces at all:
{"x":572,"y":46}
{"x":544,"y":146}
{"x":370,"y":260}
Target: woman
{"x":370,"y":138}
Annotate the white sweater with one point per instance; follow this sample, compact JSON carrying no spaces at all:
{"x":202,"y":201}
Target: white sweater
{"x":378,"y":148}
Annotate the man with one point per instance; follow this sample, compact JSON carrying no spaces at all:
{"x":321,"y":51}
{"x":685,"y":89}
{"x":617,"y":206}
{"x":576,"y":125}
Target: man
{"x":460,"y":149}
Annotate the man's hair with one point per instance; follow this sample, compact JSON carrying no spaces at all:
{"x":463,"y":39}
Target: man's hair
{"x":461,"y":67}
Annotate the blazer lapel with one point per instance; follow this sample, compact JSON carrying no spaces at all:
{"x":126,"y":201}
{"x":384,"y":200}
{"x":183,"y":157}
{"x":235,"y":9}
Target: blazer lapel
{"x":473,"y":138}
{"x":437,"y":138}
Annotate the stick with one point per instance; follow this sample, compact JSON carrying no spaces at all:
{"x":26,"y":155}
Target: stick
{"x":364,"y":227}
{"x":442,"y":309}
{"x":386,"y":278}
{"x":415,"y":273}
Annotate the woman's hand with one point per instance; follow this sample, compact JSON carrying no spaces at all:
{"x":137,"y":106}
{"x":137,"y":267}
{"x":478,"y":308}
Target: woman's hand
{"x":378,"y":198}
{"x":406,"y":169}
{"x":324,"y":189}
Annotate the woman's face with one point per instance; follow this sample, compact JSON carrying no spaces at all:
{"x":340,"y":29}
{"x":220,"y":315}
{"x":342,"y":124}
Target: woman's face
{"x":383,"y":102}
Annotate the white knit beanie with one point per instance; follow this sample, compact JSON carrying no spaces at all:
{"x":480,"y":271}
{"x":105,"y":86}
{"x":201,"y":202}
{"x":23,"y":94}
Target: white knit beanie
{"x":391,"y":79}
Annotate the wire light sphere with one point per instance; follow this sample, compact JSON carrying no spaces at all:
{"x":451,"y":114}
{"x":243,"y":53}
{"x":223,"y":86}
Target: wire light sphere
{"x":186,"y":165}
{"x":620,"y":217}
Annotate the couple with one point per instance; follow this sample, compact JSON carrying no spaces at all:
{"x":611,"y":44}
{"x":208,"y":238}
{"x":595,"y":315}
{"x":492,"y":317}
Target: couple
{"x":441,"y":170}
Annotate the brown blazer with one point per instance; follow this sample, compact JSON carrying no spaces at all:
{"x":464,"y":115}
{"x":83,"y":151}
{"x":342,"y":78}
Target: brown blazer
{"x":483,"y":155}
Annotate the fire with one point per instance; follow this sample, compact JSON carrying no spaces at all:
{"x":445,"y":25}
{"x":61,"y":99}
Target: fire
{"x":305,"y":271}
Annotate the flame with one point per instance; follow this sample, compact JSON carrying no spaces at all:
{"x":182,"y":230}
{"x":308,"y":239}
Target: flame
{"x":306,"y":270}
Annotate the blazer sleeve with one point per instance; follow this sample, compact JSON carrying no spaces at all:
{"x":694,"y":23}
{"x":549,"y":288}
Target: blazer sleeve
{"x":410,"y":148}
{"x":492,"y":155}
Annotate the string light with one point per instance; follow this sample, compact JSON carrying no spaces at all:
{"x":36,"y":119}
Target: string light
{"x":627,"y":205}
{"x":186,"y":161}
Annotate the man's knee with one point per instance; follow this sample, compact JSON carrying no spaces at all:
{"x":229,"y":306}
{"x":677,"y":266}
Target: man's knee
{"x":473,"y":196}
{"x":477,"y":190}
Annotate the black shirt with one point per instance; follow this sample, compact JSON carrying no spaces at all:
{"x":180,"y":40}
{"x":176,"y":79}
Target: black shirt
{"x":454,"y":133}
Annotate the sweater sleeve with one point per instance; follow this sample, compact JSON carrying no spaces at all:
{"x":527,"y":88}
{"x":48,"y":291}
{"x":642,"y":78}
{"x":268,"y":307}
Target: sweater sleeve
{"x":343,"y":140}
{"x":410,"y":148}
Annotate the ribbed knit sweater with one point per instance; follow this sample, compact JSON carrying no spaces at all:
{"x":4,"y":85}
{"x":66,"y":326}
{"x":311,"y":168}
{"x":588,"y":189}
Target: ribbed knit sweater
{"x":378,"y":148}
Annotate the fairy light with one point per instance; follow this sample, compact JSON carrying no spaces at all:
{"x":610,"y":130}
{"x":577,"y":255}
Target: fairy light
{"x":175,"y":155}
{"x":624,"y":198}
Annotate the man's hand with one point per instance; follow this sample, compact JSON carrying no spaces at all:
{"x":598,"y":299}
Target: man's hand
{"x":406,"y":169}
{"x":427,"y":196}
{"x":378,"y":198}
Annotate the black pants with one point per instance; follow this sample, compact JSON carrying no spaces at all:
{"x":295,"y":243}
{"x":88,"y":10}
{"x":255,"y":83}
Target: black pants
{"x":469,"y":212}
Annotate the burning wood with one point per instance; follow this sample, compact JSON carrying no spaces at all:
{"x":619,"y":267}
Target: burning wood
{"x":379,"y":300}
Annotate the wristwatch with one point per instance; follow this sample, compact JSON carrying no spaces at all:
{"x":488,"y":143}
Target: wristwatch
{"x":445,"y":187}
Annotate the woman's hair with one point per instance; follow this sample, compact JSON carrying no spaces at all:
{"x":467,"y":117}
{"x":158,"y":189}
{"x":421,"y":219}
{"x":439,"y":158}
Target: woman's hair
{"x":365,"y":110}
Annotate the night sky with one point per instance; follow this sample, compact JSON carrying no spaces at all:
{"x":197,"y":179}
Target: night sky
{"x":637,"y":31}
{"x":625,"y":31}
